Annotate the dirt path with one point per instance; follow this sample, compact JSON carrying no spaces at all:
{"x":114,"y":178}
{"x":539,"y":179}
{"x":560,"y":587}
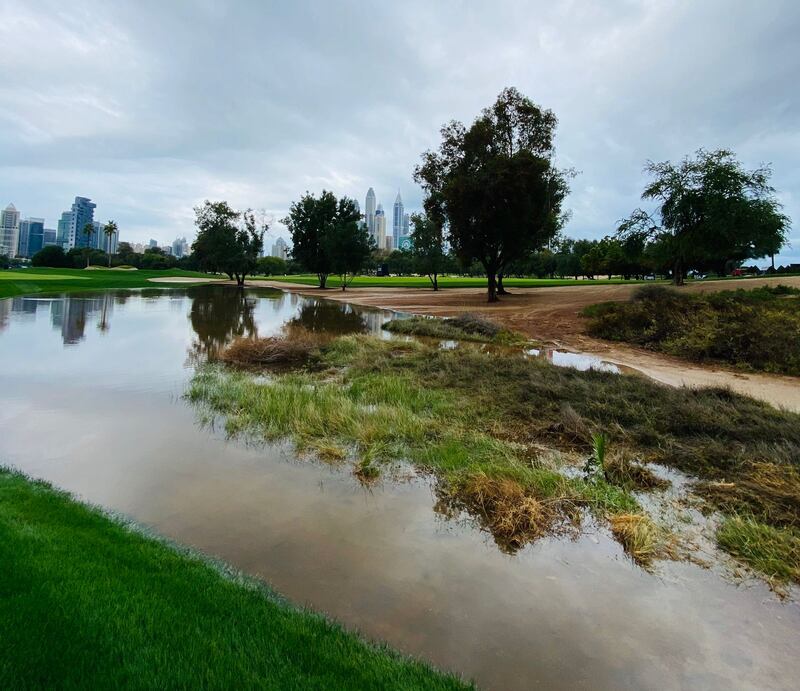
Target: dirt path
{"x":553,"y":314}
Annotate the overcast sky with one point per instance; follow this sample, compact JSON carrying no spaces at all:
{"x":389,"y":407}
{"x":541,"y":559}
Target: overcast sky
{"x":150,"y":107}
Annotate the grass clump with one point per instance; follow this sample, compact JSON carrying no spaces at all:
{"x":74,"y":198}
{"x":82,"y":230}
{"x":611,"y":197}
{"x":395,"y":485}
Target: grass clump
{"x":465,"y":327}
{"x":642,"y":539}
{"x":757,"y":329}
{"x":772,"y":551}
{"x":87,"y":602}
{"x":292,"y":349}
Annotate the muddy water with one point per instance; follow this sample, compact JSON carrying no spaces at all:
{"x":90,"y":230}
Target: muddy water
{"x":90,"y":399}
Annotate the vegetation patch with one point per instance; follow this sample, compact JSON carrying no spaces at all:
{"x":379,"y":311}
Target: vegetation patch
{"x":772,"y":551}
{"x":87,"y":602}
{"x":478,"y":421}
{"x":757,"y":329}
{"x":465,"y":327}
{"x":291,"y":349}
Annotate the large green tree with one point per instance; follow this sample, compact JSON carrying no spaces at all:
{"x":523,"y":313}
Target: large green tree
{"x":228,"y":241}
{"x":711,"y":212}
{"x":326,"y":236}
{"x":495,"y":185}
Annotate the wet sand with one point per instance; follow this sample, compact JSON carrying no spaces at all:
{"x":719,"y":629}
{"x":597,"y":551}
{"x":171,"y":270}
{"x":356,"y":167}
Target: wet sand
{"x":553,"y":315}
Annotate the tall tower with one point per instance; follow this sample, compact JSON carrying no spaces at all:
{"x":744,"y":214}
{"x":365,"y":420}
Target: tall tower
{"x":379,"y":222}
{"x":397,"y":219}
{"x":82,"y":212}
{"x":9,"y":231}
{"x":369,"y":212}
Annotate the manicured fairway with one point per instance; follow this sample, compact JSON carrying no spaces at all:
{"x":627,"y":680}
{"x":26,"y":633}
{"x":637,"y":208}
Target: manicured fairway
{"x":42,"y":280}
{"x":86,"y":602}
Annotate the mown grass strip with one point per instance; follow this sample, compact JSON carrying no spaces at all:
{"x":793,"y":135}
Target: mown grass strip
{"x":86,"y":602}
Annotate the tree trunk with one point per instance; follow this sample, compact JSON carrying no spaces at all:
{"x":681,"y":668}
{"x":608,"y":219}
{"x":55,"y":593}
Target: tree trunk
{"x":492,"y":284}
{"x":500,"y":289}
{"x":772,"y":257}
{"x":435,"y":282}
{"x":344,"y":282}
{"x":323,"y":279}
{"x":677,"y":272}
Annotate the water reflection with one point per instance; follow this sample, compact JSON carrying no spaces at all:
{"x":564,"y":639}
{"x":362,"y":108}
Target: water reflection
{"x":218,"y":315}
{"x":332,"y":317}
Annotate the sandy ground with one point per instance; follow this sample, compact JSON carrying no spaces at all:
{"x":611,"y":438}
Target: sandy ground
{"x":553,"y":315}
{"x":183,"y":279}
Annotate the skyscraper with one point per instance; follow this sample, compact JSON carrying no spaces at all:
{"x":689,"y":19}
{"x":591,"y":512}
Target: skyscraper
{"x":397,"y":219}
{"x":280,"y":249}
{"x":9,"y":231}
{"x":81,"y":213}
{"x":31,"y":236}
{"x":379,"y":223}
{"x":180,"y":247}
{"x":62,"y":232}
{"x":369,"y":212}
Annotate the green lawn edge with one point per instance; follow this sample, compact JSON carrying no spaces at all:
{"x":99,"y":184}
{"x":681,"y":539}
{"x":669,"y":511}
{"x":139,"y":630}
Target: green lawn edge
{"x":91,"y":600}
{"x":14,"y":283}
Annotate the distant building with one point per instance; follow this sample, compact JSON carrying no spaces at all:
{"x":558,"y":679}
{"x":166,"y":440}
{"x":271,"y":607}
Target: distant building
{"x":380,"y":228}
{"x":405,"y":243}
{"x":9,"y":230}
{"x":180,"y":248}
{"x":406,"y":224}
{"x":81,"y":213}
{"x":49,"y":237}
{"x":138,"y":248}
{"x":153,"y":243}
{"x":62,"y":232}
{"x":167,"y":249}
{"x":398,"y":215}
{"x":280,"y":249}
{"x":31,"y":237}
{"x":369,"y":212}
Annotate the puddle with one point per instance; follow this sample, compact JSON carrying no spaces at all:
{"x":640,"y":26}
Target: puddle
{"x":578,"y":361}
{"x":93,"y":404}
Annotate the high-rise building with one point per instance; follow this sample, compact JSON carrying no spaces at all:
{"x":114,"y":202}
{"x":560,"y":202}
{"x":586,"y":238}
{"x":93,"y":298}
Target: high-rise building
{"x":406,"y":224}
{"x":153,"y":243}
{"x":397,"y":219}
{"x":379,"y":223}
{"x":62,"y":232}
{"x":49,"y":237}
{"x":31,"y":237}
{"x":103,"y":242}
{"x":180,"y":248}
{"x":81,"y":213}
{"x":280,"y":249}
{"x":9,"y":230}
{"x":369,"y":212}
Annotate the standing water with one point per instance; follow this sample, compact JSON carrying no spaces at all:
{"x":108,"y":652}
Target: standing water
{"x":91,"y":399}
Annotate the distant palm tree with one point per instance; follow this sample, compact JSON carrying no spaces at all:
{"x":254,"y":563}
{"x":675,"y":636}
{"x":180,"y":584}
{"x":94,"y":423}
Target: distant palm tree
{"x":109,"y":229}
{"x":88,"y":231}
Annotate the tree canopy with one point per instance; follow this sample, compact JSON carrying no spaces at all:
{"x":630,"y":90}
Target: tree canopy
{"x":711,"y":212}
{"x":428,"y":247}
{"x":494,"y":184}
{"x":326,"y":236}
{"x":228,"y":241}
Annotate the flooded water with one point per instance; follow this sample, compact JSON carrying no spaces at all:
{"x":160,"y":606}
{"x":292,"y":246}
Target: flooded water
{"x":91,"y":399}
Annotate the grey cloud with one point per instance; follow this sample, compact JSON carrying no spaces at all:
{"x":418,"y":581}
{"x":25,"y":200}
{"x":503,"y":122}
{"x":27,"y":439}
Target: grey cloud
{"x":150,"y":107}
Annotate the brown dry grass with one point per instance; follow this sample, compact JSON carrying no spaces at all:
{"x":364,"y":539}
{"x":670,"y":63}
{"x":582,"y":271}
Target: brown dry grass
{"x":513,"y":516}
{"x":632,"y":476}
{"x":294,"y":347}
{"x":638,"y":535}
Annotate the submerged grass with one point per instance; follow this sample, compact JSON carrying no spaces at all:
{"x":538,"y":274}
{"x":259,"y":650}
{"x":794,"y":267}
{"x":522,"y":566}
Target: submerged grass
{"x":756,"y":329}
{"x":87,"y":602}
{"x":465,"y":327}
{"x":478,"y":420}
{"x":769,"y":550}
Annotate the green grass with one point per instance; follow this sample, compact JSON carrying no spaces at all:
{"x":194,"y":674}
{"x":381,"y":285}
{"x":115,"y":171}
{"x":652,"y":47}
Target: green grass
{"x":773,"y":552}
{"x":755,"y":329}
{"x":43,"y":280}
{"x":447,"y":282}
{"x":87,"y":602}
